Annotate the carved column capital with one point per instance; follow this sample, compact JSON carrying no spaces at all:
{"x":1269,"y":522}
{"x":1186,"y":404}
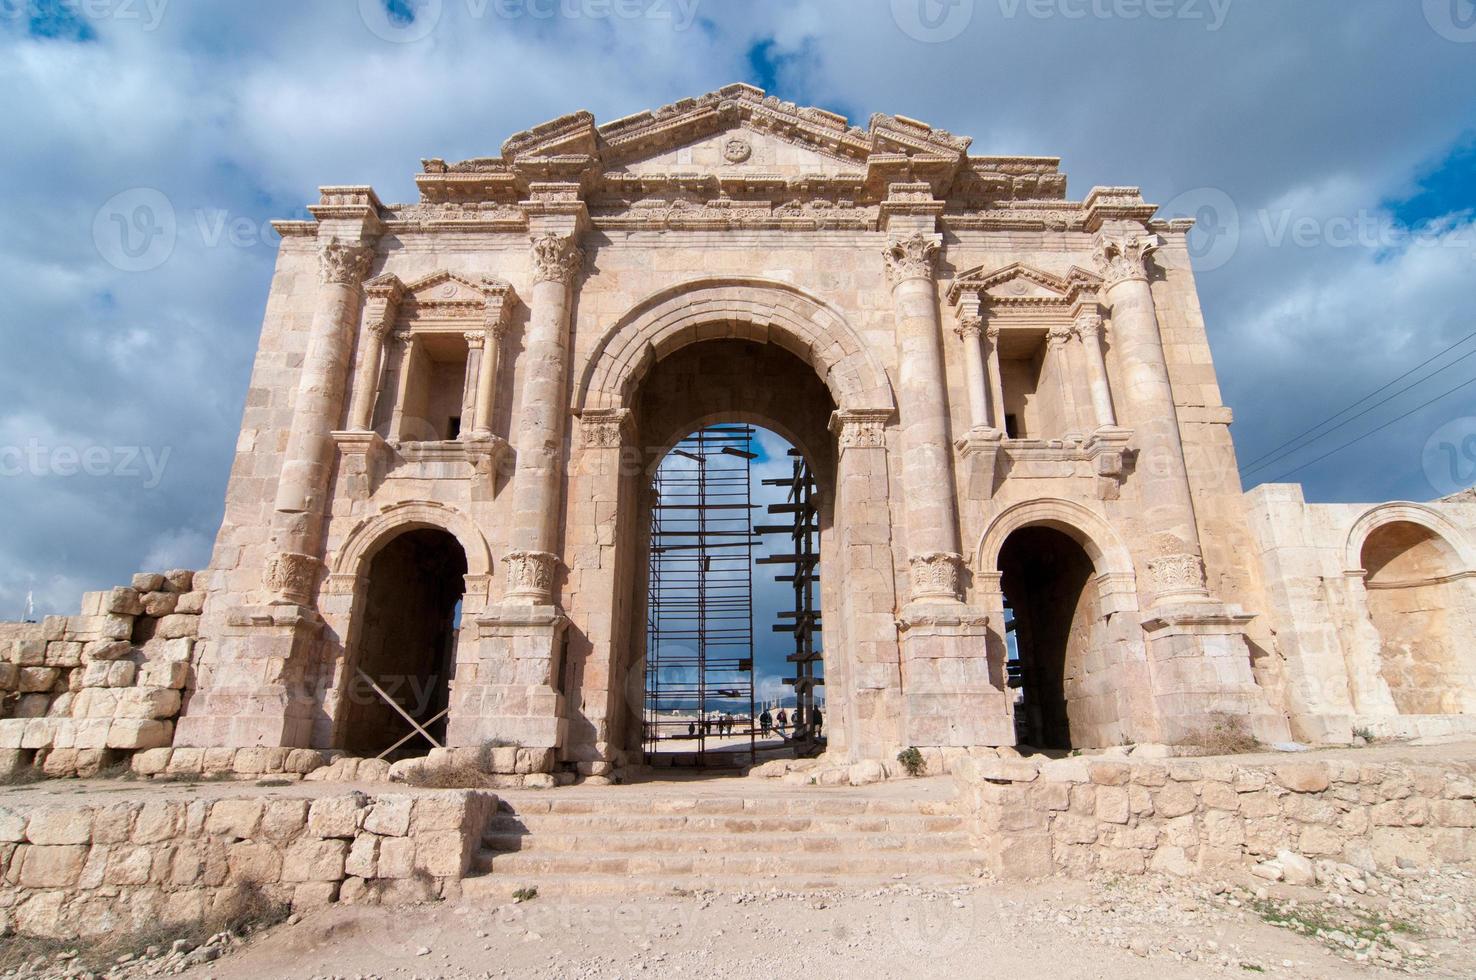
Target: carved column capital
{"x":499,"y":306}
{"x":1088,"y":325}
{"x":991,"y":333}
{"x":1058,"y":335}
{"x":291,"y":578}
{"x":860,"y":428}
{"x":556,"y":258}
{"x":935,"y":576}
{"x":342,"y":264}
{"x":604,"y":428}
{"x":970,"y":326}
{"x":529,"y":575}
{"x":1123,"y":257}
{"x":1174,"y":570}
{"x":475,"y":339}
{"x":913,"y":257}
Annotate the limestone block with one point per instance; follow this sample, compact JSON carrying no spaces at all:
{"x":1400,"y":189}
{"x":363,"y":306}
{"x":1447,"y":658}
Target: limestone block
{"x":177,"y":626}
{"x":95,"y":674}
{"x":60,"y":763}
{"x":314,"y":895}
{"x":179,"y":580}
{"x":157,"y":820}
{"x":390,"y":816}
{"x":440,"y":853}
{"x":178,"y":650}
{"x":123,"y":601}
{"x":1109,"y":773}
{"x":165,"y":673}
{"x":186,"y":761}
{"x":191,"y":604}
{"x":148,"y":702}
{"x":148,"y":582}
{"x":116,"y":627}
{"x":254,"y":861}
{"x":1302,"y":777}
{"x":445,"y":811}
{"x":29,"y":653}
{"x":256,"y":761}
{"x":218,"y":760}
{"x":106,"y":650}
{"x":36,"y":679}
{"x":1219,"y":796}
{"x":1174,"y":800}
{"x":121,"y":673}
{"x":304,"y":761}
{"x":373,"y":771}
{"x":9,"y":676}
{"x":284,"y":819}
{"x":235,"y":818}
{"x":363,"y":857}
{"x":1112,"y":804}
{"x":12,"y":827}
{"x":52,"y":866}
{"x":64,"y":654}
{"x":37,"y":733}
{"x":310,"y":859}
{"x":136,"y":733}
{"x":339,"y":816}
{"x":1295,"y":869}
{"x":129,"y":866}
{"x":396,"y":857}
{"x":160,"y":603}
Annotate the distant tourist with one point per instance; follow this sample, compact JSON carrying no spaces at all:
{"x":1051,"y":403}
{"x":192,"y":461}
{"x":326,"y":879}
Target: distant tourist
{"x":817,"y":720}
{"x":783,"y":721}
{"x":691,"y":728}
{"x":766,"y":722}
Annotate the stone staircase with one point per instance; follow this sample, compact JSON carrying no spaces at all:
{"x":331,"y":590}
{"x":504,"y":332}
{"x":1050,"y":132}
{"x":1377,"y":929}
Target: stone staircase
{"x":614,"y":845}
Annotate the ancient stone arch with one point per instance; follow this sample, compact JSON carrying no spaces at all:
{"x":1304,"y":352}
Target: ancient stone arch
{"x":374,"y":532}
{"x":1088,"y":528}
{"x":1461,"y":551}
{"x":760,"y":310}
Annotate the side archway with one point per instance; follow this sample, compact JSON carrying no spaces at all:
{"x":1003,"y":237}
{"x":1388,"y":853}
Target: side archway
{"x":1404,"y":512}
{"x":1086,"y":527}
{"x":759,"y":310}
{"x":375,"y":532}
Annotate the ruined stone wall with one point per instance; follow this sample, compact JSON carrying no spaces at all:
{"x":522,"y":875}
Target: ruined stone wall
{"x":80,"y":870}
{"x":1193,"y":816}
{"x":81,"y":693}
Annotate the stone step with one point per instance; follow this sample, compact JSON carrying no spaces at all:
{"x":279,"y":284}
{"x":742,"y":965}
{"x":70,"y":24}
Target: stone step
{"x":531,"y":864}
{"x":500,"y":887}
{"x":812,"y":805}
{"x":594,"y":823}
{"x":698,"y":843}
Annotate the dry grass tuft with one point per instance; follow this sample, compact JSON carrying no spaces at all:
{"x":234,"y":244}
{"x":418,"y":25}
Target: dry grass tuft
{"x":1224,"y":735}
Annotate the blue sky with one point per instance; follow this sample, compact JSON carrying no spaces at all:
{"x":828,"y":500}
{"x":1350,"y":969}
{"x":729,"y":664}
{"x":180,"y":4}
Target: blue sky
{"x":149,"y":142}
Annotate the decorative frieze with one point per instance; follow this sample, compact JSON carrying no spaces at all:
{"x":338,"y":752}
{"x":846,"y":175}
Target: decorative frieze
{"x":556,"y":258}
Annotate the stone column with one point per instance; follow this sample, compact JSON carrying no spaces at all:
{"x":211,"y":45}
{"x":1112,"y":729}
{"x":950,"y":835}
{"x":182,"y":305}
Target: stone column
{"x":996,"y":386}
{"x":381,"y":305}
{"x":472,"y":383}
{"x":1177,"y":564}
{"x":1058,"y":340}
{"x":537,"y":492}
{"x":970,"y":330}
{"x":1088,"y":330}
{"x":928,"y":491}
{"x":292,"y":571}
{"x":495,"y":327}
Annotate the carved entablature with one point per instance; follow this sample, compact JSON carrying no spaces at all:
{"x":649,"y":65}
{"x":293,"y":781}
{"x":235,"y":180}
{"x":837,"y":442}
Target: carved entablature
{"x":1021,"y":297}
{"x":447,"y":302}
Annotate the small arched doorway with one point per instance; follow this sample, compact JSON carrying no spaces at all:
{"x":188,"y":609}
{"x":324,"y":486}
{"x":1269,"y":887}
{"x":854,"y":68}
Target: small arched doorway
{"x":406,"y":644}
{"x":1412,"y":599}
{"x":1054,"y":641}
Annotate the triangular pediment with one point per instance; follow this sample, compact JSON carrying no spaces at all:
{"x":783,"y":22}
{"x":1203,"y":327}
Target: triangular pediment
{"x":444,"y":287}
{"x":1020,"y":283}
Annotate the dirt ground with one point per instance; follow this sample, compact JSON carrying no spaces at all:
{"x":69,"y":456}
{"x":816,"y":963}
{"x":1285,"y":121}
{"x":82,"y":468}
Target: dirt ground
{"x":1109,"y":928}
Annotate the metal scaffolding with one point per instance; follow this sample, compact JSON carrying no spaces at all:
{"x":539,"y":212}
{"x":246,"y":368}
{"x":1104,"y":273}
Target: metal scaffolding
{"x":699,"y":615}
{"x":803,"y":621}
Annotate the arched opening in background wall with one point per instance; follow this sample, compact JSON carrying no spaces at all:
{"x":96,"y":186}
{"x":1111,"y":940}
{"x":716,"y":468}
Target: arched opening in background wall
{"x":1055,"y":639}
{"x":406,"y":644}
{"x":1413,"y":602}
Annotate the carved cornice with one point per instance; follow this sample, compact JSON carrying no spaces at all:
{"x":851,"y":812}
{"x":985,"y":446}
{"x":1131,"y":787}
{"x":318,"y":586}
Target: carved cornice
{"x":1123,"y":257}
{"x":556,"y":258}
{"x":344,"y":264}
{"x":913,"y":257}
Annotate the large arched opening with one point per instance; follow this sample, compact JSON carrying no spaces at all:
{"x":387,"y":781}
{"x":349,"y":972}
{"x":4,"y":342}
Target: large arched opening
{"x":1414,"y":599}
{"x":403,"y":653}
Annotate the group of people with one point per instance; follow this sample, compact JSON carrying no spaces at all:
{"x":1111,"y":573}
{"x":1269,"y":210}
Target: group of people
{"x":781,"y":721}
{"x":719,"y":725}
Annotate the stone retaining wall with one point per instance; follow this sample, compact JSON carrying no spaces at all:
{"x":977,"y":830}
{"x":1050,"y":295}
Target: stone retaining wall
{"x":1188,"y":816}
{"x":86,"y":870}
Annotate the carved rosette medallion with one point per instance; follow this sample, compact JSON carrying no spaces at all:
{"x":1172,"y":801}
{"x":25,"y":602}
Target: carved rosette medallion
{"x":529,"y":575}
{"x":913,"y":257}
{"x":1123,"y":258}
{"x":737,"y":149}
{"x":935,"y":576}
{"x":341,"y":264}
{"x":556,"y":258}
{"x":291,"y":577}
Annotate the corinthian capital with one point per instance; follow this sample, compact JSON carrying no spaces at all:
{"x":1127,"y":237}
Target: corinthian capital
{"x":912,"y":257}
{"x":1088,"y":325}
{"x":342,"y":264}
{"x":1123,"y":257}
{"x":556,"y":258}
{"x":969,"y":326}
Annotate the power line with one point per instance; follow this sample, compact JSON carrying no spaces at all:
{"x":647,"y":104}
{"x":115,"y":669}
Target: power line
{"x":1372,"y":431}
{"x":1257,"y":463}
